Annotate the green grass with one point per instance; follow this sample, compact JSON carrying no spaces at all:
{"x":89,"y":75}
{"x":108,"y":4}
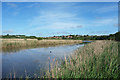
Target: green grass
{"x":96,"y":60}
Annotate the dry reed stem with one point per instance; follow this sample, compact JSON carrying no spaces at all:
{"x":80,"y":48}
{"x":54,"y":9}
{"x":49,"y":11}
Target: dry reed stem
{"x":56,"y":68}
{"x":65,"y":61}
{"x":52,"y":71}
{"x":21,"y":44}
{"x":77,"y":61}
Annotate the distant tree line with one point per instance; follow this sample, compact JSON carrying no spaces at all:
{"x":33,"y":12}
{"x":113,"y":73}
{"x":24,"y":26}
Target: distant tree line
{"x":20,"y":37}
{"x":115,"y":36}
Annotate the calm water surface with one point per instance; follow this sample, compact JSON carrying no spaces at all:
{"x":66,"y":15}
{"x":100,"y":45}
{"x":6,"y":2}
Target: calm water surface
{"x":32,"y":62}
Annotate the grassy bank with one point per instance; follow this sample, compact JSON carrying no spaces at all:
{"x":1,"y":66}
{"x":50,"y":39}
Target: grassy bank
{"x":18,"y":44}
{"x":96,"y":60}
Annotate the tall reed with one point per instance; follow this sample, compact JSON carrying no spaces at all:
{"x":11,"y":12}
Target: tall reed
{"x":18,"y":44}
{"x":95,"y":60}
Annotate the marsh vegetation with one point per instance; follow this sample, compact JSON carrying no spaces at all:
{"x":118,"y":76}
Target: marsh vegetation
{"x":19,"y":44}
{"x":98,"y":59}
{"x":95,"y":60}
{"x":34,"y":61}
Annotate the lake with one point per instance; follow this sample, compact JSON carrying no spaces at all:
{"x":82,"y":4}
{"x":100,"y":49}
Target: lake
{"x":35,"y":61}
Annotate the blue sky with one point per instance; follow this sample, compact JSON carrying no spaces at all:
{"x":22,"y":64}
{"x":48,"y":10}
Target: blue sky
{"x":59,"y":18}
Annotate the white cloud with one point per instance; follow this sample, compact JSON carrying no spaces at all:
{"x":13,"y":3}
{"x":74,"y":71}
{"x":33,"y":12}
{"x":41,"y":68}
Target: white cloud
{"x":59,"y":26}
{"x":11,"y":4}
{"x":62,"y":25}
{"x":100,"y":32}
{"x":105,"y":9}
{"x":55,"y":20}
{"x":60,"y":32}
{"x":116,"y":25}
{"x":50,"y":17}
{"x":33,"y":5}
{"x":8,"y":31}
{"x":15,"y":13}
{"x":59,"y":20}
{"x":106,"y":22}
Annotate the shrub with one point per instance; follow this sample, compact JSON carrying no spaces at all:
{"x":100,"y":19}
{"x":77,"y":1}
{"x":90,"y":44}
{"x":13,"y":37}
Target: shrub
{"x":39,"y":38}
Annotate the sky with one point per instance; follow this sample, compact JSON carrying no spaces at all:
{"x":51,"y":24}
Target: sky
{"x":46,"y":19}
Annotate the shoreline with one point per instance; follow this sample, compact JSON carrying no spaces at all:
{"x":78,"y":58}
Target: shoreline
{"x":18,"y":44}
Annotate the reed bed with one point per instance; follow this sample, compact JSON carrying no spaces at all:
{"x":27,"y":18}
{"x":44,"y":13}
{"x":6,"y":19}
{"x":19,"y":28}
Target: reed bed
{"x":96,"y":60}
{"x":17,"y":44}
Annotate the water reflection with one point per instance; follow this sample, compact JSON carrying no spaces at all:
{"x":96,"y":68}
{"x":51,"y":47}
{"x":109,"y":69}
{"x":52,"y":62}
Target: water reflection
{"x":15,"y":49}
{"x":33,"y":61}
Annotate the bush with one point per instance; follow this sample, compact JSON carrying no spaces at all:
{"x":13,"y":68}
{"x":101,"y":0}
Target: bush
{"x":39,"y":38}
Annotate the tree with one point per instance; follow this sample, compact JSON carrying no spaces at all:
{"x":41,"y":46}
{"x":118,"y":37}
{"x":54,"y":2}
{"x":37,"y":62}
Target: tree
{"x":117,"y":36}
{"x":39,"y":38}
{"x":7,"y":34}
